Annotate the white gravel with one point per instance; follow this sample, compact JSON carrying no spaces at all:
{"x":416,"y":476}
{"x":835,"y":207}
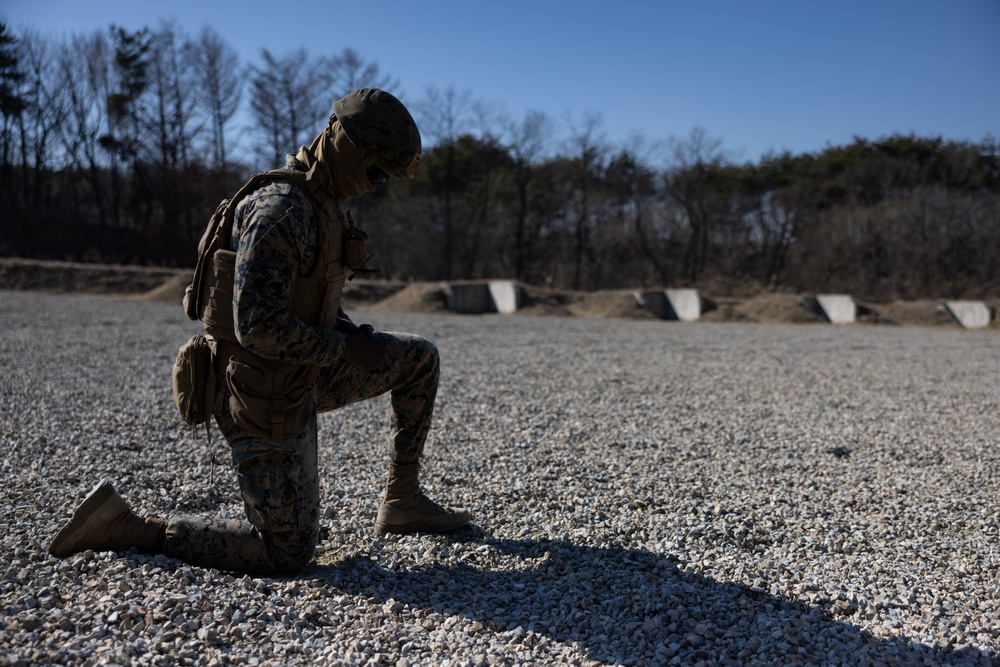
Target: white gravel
{"x":645,"y":493}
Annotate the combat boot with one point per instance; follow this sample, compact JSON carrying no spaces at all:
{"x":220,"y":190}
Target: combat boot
{"x":405,"y":509}
{"x":103,"y":521}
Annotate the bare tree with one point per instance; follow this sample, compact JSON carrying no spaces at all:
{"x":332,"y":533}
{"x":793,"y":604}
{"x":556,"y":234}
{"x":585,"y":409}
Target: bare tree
{"x":783,"y":199}
{"x":529,"y":139}
{"x":690,"y":182}
{"x":38,"y":125}
{"x":586,"y":150}
{"x":220,"y":81}
{"x":84,"y":66}
{"x":165,"y":202}
{"x":349,"y":71}
{"x":126,"y":115}
{"x":11,"y":102}
{"x":12,"y":107}
{"x":285,"y":104}
{"x":634,"y":218}
{"x":444,"y":115}
{"x":174,"y":90}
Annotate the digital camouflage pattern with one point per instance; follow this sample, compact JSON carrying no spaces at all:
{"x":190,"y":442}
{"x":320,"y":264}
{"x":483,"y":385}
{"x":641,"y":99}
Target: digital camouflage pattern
{"x":274,"y":236}
{"x":285,"y":262}
{"x":275,"y":239}
{"x":375,"y":120}
{"x":280,"y":483}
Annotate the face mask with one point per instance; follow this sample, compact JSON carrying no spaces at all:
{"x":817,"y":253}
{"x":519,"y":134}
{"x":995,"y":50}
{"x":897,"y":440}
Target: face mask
{"x":336,"y":164}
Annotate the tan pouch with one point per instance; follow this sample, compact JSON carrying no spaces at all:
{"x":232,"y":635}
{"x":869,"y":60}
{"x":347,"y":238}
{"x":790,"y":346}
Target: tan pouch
{"x":270,"y":399}
{"x":194,"y":381}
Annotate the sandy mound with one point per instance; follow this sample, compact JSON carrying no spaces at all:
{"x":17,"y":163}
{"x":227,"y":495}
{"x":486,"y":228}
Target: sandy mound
{"x":21,"y":274}
{"x":172,"y":291}
{"x":365,"y":293}
{"x":414,"y":298}
{"x":929,"y":313}
{"x":430,"y":298}
{"x":916,"y":313}
{"x":774,"y":308}
{"x":568,"y":303}
{"x":611,"y":303}
{"x":356,"y":295}
{"x":168,"y":285}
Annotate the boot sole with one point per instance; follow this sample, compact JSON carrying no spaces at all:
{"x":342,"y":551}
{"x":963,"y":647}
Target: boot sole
{"x":97,"y":497}
{"x":382,"y":529}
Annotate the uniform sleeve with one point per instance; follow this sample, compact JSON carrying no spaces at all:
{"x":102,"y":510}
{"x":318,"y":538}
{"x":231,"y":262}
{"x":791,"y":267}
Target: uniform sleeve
{"x":270,"y":253}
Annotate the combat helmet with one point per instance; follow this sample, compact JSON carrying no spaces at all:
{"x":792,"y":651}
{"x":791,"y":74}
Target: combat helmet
{"x":375,"y":120}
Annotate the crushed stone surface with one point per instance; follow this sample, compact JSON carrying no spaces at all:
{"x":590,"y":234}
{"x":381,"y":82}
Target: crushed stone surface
{"x":644,"y":493}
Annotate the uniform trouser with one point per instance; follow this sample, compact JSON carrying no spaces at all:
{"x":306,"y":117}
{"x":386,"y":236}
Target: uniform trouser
{"x":280,"y":482}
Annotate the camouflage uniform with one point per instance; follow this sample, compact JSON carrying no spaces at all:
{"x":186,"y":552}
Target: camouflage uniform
{"x":280,"y":482}
{"x":269,"y":306}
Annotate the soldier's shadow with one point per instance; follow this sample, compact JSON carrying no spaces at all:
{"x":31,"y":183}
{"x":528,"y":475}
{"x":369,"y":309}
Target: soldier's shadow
{"x":624,"y":606}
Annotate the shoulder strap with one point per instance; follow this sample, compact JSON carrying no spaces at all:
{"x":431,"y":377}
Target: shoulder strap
{"x":216,"y":236}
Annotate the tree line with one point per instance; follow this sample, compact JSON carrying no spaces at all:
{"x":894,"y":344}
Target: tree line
{"x":116,"y":146}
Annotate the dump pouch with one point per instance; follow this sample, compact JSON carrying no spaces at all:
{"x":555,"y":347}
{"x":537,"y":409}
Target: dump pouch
{"x":271,"y":400}
{"x":194,"y":381}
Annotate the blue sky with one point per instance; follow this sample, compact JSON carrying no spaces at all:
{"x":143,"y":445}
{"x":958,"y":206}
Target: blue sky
{"x":757,"y":75}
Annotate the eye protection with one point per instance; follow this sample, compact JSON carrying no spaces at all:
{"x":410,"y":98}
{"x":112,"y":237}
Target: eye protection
{"x":376,"y":175}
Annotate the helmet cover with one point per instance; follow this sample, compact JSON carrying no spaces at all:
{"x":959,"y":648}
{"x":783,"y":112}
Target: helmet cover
{"x":375,"y":120}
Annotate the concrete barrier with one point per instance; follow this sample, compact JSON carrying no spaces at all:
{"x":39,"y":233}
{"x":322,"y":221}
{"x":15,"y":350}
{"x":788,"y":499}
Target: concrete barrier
{"x":654,"y":301}
{"x":495,"y":296}
{"x":505,"y":296}
{"x":970,"y":314}
{"x":836,"y":308}
{"x":685,"y":305}
{"x":467,"y":298}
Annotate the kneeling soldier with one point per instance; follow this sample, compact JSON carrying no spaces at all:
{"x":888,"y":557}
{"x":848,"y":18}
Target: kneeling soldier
{"x":268,"y":290}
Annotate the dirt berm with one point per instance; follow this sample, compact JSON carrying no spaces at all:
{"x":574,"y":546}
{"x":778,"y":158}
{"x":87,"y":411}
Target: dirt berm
{"x":167,"y":285}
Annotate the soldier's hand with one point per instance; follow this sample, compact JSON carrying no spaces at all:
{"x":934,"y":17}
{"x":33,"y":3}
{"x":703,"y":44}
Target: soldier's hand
{"x":372,"y":353}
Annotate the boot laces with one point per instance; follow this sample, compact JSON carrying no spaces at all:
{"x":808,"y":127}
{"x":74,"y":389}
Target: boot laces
{"x":429,"y":506}
{"x":419,"y":504}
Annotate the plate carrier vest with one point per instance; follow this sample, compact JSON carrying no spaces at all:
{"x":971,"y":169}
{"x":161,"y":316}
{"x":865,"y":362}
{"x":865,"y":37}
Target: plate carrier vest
{"x":315,"y":298}
{"x":270,"y":399}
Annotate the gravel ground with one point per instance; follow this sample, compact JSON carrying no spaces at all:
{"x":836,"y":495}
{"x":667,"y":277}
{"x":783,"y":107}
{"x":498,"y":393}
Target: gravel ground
{"x":645,"y":493}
